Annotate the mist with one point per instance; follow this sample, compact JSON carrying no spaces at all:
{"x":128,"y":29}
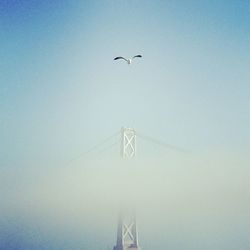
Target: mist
{"x":63,"y":185}
{"x":193,"y":201}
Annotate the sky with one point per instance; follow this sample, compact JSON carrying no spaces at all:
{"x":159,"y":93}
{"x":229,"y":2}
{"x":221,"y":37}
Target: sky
{"x":61,"y":93}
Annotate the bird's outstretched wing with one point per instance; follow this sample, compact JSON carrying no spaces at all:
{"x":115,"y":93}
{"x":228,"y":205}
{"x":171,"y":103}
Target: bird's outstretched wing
{"x":120,"y":57}
{"x":137,"y":56}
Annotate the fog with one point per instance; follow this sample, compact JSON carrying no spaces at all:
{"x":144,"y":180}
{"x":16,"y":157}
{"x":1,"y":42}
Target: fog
{"x":182,"y":200}
{"x":62,"y":94}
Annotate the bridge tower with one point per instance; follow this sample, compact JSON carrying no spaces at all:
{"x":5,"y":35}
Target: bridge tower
{"x":127,"y":235}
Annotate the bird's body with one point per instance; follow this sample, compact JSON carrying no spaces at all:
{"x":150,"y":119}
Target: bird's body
{"x":129,"y":61}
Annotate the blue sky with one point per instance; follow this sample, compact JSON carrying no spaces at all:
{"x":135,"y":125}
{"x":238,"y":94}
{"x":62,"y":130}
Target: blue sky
{"x":191,"y":88}
{"x":61,"y":92}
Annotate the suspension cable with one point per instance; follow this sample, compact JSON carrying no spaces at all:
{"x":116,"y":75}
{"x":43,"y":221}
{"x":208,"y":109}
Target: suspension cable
{"x":97,"y":146}
{"x":161,"y":143}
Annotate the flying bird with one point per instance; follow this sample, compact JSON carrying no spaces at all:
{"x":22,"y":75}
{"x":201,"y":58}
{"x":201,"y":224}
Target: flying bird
{"x":129,"y":61}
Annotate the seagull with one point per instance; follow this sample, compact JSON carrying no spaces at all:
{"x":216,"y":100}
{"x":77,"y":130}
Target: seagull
{"x":129,"y":61}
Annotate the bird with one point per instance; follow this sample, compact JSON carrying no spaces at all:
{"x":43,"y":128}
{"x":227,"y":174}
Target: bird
{"x":129,"y":61}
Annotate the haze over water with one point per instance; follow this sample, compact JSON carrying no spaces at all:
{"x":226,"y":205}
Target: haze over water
{"x":61,"y":93}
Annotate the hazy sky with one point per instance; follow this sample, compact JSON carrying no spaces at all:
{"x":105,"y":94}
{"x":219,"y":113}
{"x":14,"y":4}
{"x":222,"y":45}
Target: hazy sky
{"x":61,"y":93}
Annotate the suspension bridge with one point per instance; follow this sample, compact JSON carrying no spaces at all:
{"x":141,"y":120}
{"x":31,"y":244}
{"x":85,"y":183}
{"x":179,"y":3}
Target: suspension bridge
{"x":127,"y":233}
